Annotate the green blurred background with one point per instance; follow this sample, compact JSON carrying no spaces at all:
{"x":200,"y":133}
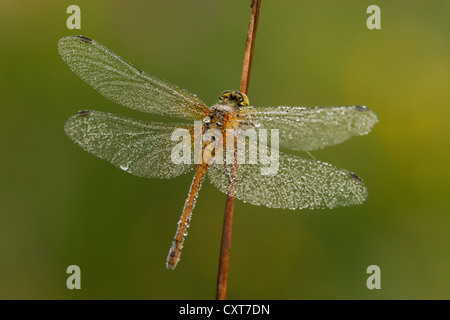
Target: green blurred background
{"x":61,"y":206}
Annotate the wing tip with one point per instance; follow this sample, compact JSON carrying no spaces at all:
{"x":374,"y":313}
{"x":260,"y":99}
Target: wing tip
{"x":69,"y":122}
{"x":83,"y":113}
{"x":370,"y":116}
{"x":67,"y":42}
{"x":84,"y":39}
{"x":362,"y":108}
{"x":365,"y":109}
{"x":354,"y":177}
{"x":361,"y":196}
{"x":77,"y":38}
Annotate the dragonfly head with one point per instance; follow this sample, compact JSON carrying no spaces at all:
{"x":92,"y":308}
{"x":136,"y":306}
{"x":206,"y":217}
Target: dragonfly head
{"x":234,"y":98}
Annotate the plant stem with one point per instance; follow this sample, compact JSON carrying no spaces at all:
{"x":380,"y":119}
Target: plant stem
{"x":222,"y":279}
{"x":250,"y":46}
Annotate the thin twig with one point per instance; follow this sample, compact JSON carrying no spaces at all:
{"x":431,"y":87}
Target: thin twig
{"x":222,"y":279}
{"x":250,"y":46}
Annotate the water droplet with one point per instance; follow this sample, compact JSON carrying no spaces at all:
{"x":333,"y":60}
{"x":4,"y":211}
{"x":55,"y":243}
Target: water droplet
{"x":206,"y":119}
{"x":124,"y":167}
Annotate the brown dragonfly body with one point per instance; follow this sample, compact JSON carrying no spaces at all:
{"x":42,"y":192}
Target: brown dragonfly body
{"x":224,"y":117}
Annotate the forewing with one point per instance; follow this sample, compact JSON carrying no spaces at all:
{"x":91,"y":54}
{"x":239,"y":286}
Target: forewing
{"x":299,"y":183}
{"x":121,"y":82}
{"x":308,"y":129}
{"x":140,"y":148}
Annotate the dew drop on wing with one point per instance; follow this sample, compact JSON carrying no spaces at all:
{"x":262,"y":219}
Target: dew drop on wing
{"x":124,"y":167}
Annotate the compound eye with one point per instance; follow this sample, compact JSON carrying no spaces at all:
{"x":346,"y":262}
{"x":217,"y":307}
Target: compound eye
{"x":243,"y":99}
{"x":225,"y":96}
{"x":240,"y":99}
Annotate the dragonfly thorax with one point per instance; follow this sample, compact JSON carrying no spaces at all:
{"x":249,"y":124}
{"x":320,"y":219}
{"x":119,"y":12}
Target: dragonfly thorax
{"x":224,"y":114}
{"x":222,"y":117}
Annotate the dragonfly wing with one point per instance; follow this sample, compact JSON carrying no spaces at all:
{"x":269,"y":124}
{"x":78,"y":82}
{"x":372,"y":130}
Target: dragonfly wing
{"x":140,"y":148}
{"x":298,"y":183}
{"x":308,"y":129}
{"x":121,"y":82}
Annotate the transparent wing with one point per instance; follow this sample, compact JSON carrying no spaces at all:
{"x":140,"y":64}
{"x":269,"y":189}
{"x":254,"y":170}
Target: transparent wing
{"x":121,"y":82}
{"x":298,"y":183}
{"x":308,"y":129}
{"x":140,"y":148}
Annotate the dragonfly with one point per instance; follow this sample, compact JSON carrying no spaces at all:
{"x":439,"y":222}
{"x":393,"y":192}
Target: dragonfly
{"x":144,"y":149}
